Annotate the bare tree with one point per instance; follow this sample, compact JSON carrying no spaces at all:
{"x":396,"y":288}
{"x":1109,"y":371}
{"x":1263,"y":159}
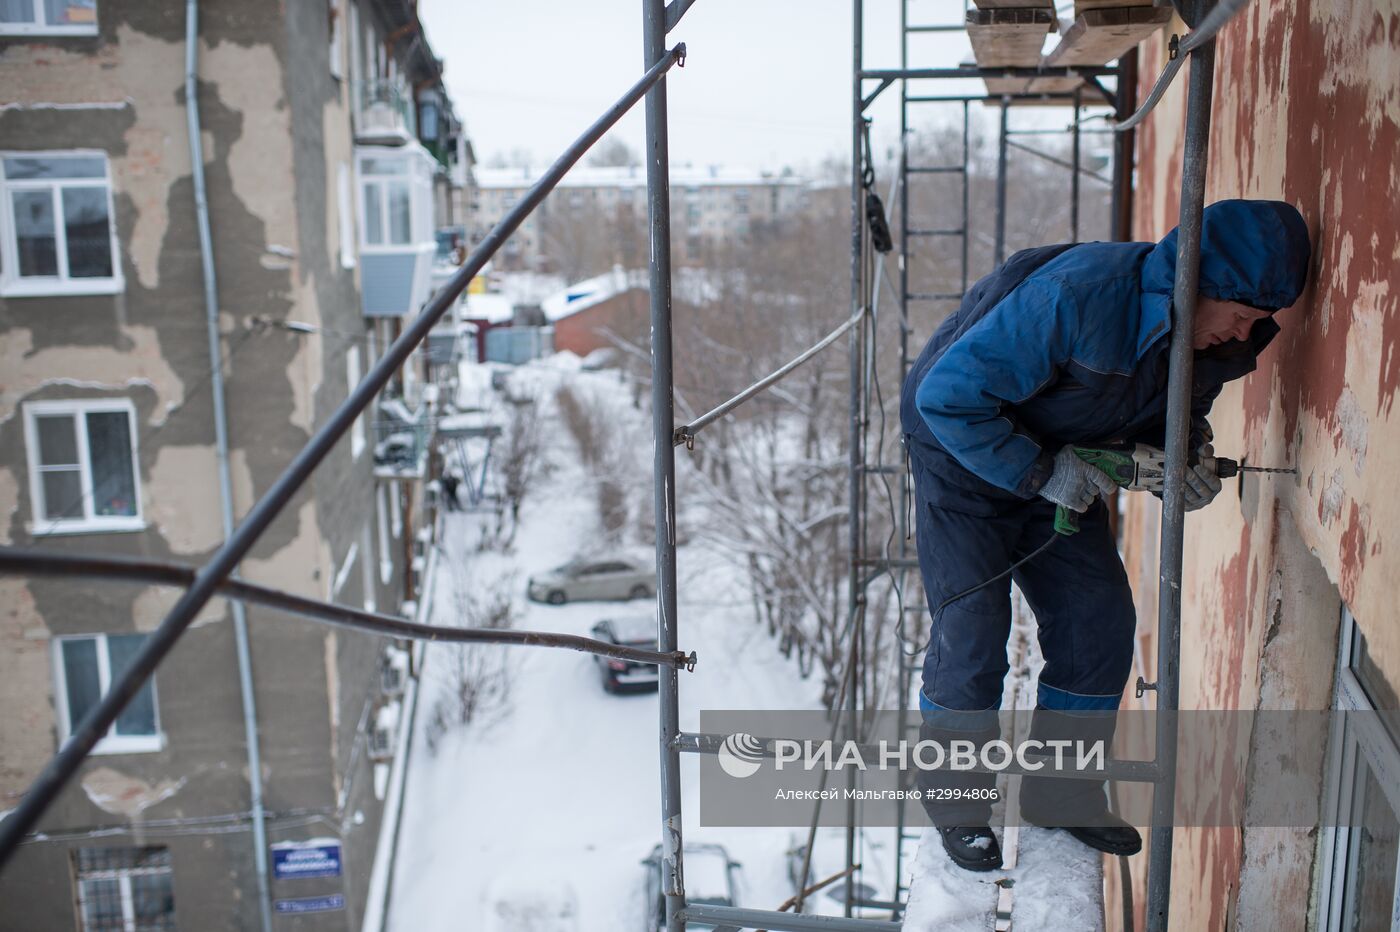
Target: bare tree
{"x":476,"y":677}
{"x":613,"y":152}
{"x":520,"y":464}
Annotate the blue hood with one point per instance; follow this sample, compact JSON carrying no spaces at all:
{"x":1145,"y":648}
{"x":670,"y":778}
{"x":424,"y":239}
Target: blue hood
{"x":1253,"y":252}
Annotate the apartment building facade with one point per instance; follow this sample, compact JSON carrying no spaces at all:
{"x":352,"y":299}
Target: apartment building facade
{"x":1288,"y":600}
{"x":706,"y":204}
{"x":330,"y":151}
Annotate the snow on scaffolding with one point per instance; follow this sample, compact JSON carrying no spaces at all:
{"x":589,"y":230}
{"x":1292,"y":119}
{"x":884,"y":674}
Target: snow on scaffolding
{"x":1057,"y":883}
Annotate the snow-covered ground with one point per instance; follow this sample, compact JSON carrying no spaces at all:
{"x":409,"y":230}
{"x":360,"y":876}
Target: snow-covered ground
{"x":559,"y":796}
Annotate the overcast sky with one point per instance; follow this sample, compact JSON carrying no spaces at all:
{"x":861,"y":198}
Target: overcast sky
{"x":766,"y":82}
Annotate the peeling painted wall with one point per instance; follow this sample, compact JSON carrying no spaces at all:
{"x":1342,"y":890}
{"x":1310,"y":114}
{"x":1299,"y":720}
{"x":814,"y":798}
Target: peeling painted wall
{"x":1306,"y":110}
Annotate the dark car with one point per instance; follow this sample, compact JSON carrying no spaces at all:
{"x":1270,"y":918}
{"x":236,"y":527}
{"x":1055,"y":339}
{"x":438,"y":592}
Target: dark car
{"x":711,"y":878}
{"x":627,"y":675}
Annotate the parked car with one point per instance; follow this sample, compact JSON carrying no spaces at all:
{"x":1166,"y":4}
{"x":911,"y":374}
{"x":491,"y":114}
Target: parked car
{"x":627,"y":675}
{"x":711,"y":877}
{"x":608,"y":577}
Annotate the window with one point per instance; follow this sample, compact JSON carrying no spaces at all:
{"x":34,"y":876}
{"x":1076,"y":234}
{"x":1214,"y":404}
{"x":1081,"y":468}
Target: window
{"x":396,"y":513}
{"x":381,"y":508}
{"x":367,"y":570}
{"x":1362,"y":850}
{"x":352,"y":378}
{"x":49,"y":17}
{"x":82,"y":466}
{"x":124,"y":889}
{"x":83,"y":671}
{"x":337,"y":38}
{"x":345,"y":217}
{"x":57,"y":224}
{"x":385,"y":187}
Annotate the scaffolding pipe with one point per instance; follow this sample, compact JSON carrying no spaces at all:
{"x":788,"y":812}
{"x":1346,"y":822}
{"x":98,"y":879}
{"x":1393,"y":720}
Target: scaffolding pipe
{"x":1075,"y":171}
{"x":1180,"y":48}
{"x":1000,"y":254}
{"x":1124,"y":150}
{"x":1074,"y":71}
{"x":34,"y":562}
{"x":663,"y":460}
{"x":686,"y":434}
{"x":1180,"y":371}
{"x":1053,"y":160}
{"x":854,"y":595}
{"x":737,"y":917}
{"x":95,"y":724}
{"x":242,"y":649}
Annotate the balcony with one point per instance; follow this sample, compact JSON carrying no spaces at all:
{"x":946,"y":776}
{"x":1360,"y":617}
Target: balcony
{"x":384,"y":113}
{"x":402,"y":437}
{"x":396,"y":228}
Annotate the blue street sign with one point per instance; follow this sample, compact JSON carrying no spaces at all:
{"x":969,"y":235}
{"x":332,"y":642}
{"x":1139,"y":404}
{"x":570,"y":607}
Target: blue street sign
{"x":311,"y":904}
{"x":291,"y":860}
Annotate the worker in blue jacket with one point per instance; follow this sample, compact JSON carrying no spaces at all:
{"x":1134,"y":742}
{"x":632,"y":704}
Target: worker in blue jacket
{"x":1063,"y":345}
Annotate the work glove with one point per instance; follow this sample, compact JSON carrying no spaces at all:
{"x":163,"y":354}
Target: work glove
{"x":1073,"y":483}
{"x":1202,"y":484}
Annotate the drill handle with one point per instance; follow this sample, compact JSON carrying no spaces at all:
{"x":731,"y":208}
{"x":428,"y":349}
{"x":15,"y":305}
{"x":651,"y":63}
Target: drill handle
{"x":1066,"y":521}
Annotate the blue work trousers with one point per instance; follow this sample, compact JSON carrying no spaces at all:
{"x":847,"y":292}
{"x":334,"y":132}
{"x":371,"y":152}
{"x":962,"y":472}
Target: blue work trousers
{"x":1085,"y":620}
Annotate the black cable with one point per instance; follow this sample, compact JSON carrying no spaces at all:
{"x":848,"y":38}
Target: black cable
{"x":987,"y":582}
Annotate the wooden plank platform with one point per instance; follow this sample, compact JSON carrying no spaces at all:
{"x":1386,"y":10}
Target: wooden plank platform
{"x":1009,"y":37}
{"x":1080,"y":6}
{"x":1013,"y":4}
{"x":1057,"y":883}
{"x":1099,"y":36}
{"x":997,"y":86}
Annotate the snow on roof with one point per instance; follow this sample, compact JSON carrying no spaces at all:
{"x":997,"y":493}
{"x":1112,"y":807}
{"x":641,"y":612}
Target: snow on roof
{"x":636,"y":177}
{"x":494,"y":308}
{"x":470,"y":421}
{"x":527,"y":287}
{"x":694,"y":285}
{"x":585,"y":294}
{"x":635,"y":628}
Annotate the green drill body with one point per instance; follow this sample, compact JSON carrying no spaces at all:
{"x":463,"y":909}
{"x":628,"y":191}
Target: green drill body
{"x":1137,"y":467}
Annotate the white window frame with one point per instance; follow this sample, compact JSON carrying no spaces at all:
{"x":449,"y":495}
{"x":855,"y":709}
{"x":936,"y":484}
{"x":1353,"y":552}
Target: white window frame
{"x":381,"y":515}
{"x":1358,"y":734}
{"x":417,"y":177}
{"x":336,"y":14}
{"x":123,"y":877}
{"x":353,"y":374}
{"x":367,"y":582}
{"x":12,"y":284}
{"x":110,"y":743}
{"x":345,"y":201}
{"x":42,"y":27}
{"x":89,"y":523}
{"x":395,"y":513}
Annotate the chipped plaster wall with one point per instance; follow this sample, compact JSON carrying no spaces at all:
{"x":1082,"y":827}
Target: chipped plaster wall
{"x":276,"y":125}
{"x":1307,"y":110}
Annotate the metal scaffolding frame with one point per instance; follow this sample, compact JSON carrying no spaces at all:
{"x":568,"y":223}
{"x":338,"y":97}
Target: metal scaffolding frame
{"x":216,"y":577}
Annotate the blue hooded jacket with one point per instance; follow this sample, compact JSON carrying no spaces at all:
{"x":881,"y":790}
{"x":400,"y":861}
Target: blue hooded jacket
{"x":1070,"y":345}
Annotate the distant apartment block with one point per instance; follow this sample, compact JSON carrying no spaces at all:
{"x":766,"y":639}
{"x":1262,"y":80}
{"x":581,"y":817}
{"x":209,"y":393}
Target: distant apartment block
{"x":706,"y":203}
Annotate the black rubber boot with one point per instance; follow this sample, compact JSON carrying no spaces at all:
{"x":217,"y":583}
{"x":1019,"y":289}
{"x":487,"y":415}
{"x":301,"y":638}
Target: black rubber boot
{"x":972,"y":848}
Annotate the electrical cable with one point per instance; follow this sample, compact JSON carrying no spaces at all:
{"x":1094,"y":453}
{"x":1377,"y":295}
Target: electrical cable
{"x":987,"y":582}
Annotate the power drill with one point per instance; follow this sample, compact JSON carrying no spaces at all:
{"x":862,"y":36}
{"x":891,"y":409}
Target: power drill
{"x":1138,"y":467}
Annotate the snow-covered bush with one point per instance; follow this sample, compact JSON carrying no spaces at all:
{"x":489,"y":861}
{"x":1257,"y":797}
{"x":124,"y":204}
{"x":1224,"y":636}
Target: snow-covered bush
{"x":476,"y":676}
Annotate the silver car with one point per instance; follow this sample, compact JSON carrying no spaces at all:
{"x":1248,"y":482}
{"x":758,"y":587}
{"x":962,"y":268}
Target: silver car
{"x":594,"y":578}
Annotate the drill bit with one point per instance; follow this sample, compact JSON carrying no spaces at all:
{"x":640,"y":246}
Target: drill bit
{"x":1226,"y":468}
